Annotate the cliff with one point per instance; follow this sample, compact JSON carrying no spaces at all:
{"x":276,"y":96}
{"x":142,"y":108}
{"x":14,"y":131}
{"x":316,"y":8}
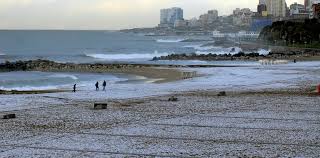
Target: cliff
{"x":289,"y":32}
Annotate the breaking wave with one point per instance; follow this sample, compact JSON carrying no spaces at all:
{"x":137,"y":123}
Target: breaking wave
{"x":170,"y":40}
{"x":64,"y":76}
{"x":219,"y":51}
{"x":2,"y":54}
{"x":263,"y":52}
{"x":31,"y":88}
{"x":199,"y":47}
{"x":126,"y":56}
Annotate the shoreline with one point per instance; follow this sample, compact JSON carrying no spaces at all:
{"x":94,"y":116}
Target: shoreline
{"x":152,"y":73}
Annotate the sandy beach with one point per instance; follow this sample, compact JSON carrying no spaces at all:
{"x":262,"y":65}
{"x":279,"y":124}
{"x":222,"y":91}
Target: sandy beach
{"x":200,"y":124}
{"x":267,"y":112}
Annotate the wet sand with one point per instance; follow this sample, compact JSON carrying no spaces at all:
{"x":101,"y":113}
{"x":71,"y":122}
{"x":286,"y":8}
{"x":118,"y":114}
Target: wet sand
{"x":266,"y":123}
{"x":152,"y":74}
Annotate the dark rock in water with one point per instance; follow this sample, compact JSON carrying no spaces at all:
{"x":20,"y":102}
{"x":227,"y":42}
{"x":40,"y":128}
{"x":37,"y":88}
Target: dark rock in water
{"x":9,"y":116}
{"x":223,"y":93}
{"x":173,"y":99}
{"x":100,"y":106}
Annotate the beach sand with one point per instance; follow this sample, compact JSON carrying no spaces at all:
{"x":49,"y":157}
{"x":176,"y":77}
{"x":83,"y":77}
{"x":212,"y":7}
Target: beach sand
{"x":268,"y":123}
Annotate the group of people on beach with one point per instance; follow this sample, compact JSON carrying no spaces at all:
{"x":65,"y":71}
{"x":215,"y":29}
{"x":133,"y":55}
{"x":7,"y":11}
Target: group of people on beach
{"x":104,"y":84}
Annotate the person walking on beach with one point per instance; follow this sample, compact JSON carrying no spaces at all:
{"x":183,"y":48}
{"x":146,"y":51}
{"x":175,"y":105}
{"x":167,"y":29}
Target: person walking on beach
{"x":97,"y":86}
{"x":74,"y":88}
{"x":104,"y":85}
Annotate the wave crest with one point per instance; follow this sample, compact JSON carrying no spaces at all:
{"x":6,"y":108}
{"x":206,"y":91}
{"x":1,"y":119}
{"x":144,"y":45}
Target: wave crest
{"x":126,"y":56}
{"x":220,"y":51}
{"x":169,"y":40}
{"x":64,"y":76}
{"x":31,"y":88}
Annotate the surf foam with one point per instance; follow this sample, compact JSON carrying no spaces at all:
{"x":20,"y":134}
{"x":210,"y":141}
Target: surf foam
{"x":64,"y":76}
{"x":170,"y":40}
{"x":126,"y":56}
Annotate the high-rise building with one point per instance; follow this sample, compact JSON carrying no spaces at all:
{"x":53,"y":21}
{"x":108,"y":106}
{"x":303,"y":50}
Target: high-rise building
{"x":276,"y":8}
{"x":169,"y":16}
{"x":208,"y":18}
{"x":261,"y":9}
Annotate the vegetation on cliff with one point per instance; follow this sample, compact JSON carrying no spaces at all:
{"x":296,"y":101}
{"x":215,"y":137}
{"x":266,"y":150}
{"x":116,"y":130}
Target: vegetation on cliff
{"x":305,"y":33}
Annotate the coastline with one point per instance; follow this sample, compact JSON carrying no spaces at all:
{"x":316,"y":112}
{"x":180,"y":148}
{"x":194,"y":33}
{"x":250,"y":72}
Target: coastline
{"x":149,"y":73}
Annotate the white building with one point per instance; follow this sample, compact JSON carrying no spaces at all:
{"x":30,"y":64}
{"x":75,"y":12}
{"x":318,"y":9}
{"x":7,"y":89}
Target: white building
{"x":169,"y":16}
{"x":297,"y":9}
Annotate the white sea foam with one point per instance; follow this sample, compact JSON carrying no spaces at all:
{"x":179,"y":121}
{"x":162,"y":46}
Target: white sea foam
{"x":170,"y":40}
{"x":199,"y":47}
{"x":126,"y":56}
{"x":31,"y":88}
{"x":64,"y":76}
{"x":220,"y":51}
{"x":263,"y":52}
{"x":2,"y":54}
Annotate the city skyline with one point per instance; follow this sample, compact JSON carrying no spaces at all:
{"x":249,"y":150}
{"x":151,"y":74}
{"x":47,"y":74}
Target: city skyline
{"x":105,"y":14}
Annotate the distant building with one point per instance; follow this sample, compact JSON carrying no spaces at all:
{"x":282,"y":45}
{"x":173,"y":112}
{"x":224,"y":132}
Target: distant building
{"x":242,"y":17}
{"x":262,"y":10}
{"x":208,"y":18}
{"x":180,"y":23}
{"x":308,"y":4}
{"x":194,"y":22}
{"x":316,"y":10}
{"x":277,"y":8}
{"x":298,"y":12}
{"x":297,"y":9}
{"x":169,"y":16}
{"x":212,"y":16}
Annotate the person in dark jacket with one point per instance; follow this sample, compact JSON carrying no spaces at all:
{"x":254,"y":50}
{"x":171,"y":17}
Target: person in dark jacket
{"x":74,"y":88}
{"x":104,"y":85}
{"x":97,"y":86}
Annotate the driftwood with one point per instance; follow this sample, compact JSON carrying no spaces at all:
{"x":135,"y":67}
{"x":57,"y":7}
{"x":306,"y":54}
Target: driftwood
{"x":100,"y":105}
{"x":9,"y":116}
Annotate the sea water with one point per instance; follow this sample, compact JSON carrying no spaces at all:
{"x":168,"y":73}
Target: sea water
{"x":22,"y":81}
{"x":93,"y":47}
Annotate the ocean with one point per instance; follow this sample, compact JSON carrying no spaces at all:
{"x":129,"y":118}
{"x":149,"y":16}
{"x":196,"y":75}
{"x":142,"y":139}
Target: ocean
{"x":91,"y":47}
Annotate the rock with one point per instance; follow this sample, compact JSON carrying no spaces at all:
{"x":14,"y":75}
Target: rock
{"x":100,"y":106}
{"x":9,"y":116}
{"x":223,"y":93}
{"x":173,"y":99}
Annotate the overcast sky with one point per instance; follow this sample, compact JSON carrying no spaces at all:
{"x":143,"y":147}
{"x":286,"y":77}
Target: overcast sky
{"x":104,"y":14}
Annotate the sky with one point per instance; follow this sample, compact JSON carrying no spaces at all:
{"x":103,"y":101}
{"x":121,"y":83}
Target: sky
{"x":105,"y":14}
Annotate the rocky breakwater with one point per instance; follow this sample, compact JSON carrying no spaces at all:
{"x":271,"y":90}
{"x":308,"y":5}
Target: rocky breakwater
{"x":212,"y":57}
{"x":46,"y":65}
{"x":276,"y":54}
{"x":159,"y":72}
